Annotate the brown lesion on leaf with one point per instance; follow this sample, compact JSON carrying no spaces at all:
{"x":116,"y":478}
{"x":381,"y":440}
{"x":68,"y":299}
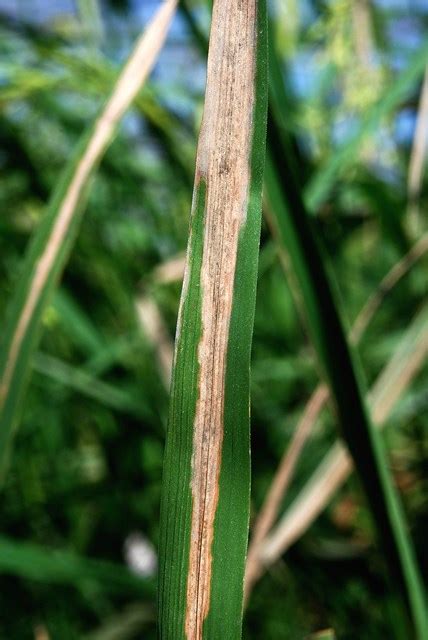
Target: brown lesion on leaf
{"x":223,"y":161}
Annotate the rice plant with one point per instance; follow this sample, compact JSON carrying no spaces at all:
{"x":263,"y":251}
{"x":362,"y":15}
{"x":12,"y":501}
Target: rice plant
{"x":161,"y":410}
{"x":206,"y":482}
{"x":52,"y":243}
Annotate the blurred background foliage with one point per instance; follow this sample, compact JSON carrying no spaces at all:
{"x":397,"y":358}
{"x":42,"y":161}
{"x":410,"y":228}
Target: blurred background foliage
{"x":80,"y":508}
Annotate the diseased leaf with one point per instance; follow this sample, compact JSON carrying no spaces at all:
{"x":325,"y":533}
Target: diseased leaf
{"x":205,"y":503}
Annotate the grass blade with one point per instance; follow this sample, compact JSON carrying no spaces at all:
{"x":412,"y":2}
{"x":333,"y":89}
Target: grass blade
{"x":205,"y":503}
{"x":53,"y":240}
{"x":395,"y":274}
{"x":270,"y":508}
{"x":153,"y":326}
{"x":337,"y":465}
{"x":124,"y":625}
{"x":76,"y":323}
{"x":344,"y":377}
{"x":322,"y":182}
{"x":326,"y":634}
{"x":88,"y":385}
{"x":417,"y":156}
{"x":32,"y":562}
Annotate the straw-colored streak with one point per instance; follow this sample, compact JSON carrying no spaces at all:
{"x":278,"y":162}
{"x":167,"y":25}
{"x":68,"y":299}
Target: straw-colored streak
{"x":337,"y":464}
{"x":127,"y":86}
{"x":223,"y":162}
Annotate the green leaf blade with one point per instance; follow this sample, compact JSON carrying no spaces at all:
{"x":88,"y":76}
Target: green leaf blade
{"x":54,"y":239}
{"x":343,"y":375}
{"x":204,"y":523}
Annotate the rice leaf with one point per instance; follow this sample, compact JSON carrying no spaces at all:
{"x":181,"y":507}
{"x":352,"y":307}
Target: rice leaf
{"x":206,"y":484}
{"x":50,"y":566}
{"x":336,"y":465}
{"x":53,"y":240}
{"x":341,"y":369}
{"x":80,"y":380}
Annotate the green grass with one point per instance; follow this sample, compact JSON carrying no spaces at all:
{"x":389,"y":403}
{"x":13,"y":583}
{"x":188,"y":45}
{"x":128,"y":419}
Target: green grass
{"x":344,"y":377}
{"x":89,"y":391}
{"x":51,"y":245}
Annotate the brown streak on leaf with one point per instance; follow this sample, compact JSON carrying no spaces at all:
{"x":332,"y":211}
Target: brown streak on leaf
{"x":223,"y":162}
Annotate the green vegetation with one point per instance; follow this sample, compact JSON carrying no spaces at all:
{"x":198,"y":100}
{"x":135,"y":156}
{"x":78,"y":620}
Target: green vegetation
{"x":206,"y":493}
{"x":90,"y":299}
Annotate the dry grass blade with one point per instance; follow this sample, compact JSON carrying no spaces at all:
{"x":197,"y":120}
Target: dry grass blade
{"x":170,"y":271}
{"x":269,"y":511}
{"x":153,"y":326}
{"x":389,"y":281}
{"x":362,"y":31}
{"x":418,"y":152}
{"x":337,"y":465}
{"x":41,"y":633}
{"x":54,"y":238}
{"x":325,"y":634}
